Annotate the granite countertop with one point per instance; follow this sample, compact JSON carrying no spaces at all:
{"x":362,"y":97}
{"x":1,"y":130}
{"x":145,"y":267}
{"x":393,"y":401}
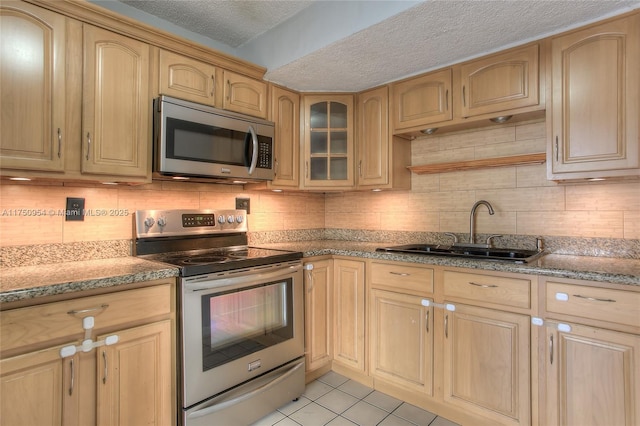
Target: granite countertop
{"x":29,"y":282}
{"x":602,"y":269}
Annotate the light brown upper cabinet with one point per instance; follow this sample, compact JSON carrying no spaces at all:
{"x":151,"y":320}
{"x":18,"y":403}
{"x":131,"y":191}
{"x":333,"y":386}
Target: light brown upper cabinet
{"x":500,"y":82}
{"x":32,"y":76}
{"x":244,"y":95}
{"x":423,"y":100}
{"x":328,"y":142}
{"x":187,"y":78}
{"x":285,"y":113}
{"x":381,"y":159}
{"x":116,"y":126}
{"x":592,"y":121}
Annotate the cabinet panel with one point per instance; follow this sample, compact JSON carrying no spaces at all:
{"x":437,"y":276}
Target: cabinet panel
{"x":285,"y":113}
{"x":402,"y":277}
{"x":401,"y":340}
{"x":328,"y":141}
{"x":500,"y":82}
{"x":595,"y":101}
{"x":245,"y":95}
{"x":487,"y":363}
{"x":32,"y":77}
{"x":349,"y":311}
{"x":497,"y":289}
{"x":593,"y":377}
{"x":422,"y":100}
{"x":32,"y":389}
{"x":187,"y":78}
{"x":622,"y":307}
{"x":318,"y":314}
{"x":373,"y":137}
{"x":116,"y":105}
{"x":134,"y":377}
{"x":38,"y":324}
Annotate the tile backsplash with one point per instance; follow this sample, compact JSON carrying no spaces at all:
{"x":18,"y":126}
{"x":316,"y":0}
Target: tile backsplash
{"x":525,"y":203}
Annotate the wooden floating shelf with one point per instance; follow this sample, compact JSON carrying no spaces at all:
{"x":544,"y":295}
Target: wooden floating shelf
{"x":457,"y":166}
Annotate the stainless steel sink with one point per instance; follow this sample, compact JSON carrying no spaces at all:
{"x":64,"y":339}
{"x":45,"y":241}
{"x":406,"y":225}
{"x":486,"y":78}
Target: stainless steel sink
{"x":508,"y":255}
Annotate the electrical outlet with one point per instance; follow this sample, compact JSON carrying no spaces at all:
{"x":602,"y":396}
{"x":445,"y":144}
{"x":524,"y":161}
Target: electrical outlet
{"x":243,"y":204}
{"x":75,"y":209}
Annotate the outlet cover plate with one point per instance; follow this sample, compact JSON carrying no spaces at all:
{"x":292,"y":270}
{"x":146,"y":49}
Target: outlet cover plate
{"x":75,"y":209}
{"x":243,"y":204}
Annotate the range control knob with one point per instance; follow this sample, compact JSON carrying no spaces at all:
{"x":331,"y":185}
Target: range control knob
{"x":162,"y":222}
{"x":221,"y":219}
{"x":148,"y":222}
{"x":239,"y":218}
{"x":231,"y":219}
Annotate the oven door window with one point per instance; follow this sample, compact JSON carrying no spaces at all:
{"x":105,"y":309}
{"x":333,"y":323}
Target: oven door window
{"x":240,"y":322}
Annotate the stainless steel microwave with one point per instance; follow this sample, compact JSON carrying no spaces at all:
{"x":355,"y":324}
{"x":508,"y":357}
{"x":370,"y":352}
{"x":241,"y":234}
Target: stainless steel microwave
{"x":195,"y":140}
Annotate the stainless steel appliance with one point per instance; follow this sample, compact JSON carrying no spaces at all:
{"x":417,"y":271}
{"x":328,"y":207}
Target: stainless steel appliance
{"x":240,"y":325}
{"x":194,"y":140}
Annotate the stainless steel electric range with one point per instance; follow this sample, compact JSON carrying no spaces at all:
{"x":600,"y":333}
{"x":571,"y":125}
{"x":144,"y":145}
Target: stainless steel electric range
{"x":240,"y":323}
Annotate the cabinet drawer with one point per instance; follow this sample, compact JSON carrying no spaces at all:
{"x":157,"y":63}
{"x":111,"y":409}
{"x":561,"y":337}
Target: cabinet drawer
{"x":501,"y":290}
{"x":402,"y":277}
{"x":618,"y":306}
{"x":43,"y":323}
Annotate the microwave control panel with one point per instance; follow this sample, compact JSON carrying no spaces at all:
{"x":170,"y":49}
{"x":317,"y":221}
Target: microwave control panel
{"x":264,"y":154}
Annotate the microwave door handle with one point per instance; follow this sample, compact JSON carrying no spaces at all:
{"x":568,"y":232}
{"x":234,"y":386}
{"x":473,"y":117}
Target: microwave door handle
{"x":254,"y":154}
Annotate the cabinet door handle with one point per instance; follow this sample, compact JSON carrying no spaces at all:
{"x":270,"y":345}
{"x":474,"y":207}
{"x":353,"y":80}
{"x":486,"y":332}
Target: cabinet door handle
{"x":557,"y":150}
{"x":228,"y":89}
{"x":446,"y":326}
{"x":594,"y":299}
{"x":360,"y":168}
{"x":275,"y":167}
{"x":213,"y":85}
{"x":464,"y":97}
{"x":483,"y":285}
{"x":84,"y":311}
{"x":73,"y":376}
{"x":59,"y":142}
{"x":88,"y":144}
{"x":551,"y":349}
{"x":427,"y":318}
{"x":446,"y":100}
{"x":306,"y":169}
{"x":104,"y":359}
{"x":402,"y":274}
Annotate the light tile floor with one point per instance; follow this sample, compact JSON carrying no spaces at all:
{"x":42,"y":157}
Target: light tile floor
{"x":335,"y":400}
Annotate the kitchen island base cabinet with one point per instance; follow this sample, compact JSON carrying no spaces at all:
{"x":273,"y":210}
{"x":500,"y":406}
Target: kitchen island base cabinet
{"x":593,"y":377}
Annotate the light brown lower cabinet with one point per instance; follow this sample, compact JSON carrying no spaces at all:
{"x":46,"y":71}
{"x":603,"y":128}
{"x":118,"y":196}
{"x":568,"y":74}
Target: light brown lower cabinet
{"x":487,"y":363}
{"x":401,"y":340}
{"x":593,"y":377}
{"x":318,"y":304}
{"x":129,"y":382}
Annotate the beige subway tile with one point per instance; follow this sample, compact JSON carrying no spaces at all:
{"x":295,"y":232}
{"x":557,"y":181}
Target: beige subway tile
{"x":614,"y":196}
{"x":572,"y":224}
{"x":531,"y":130}
{"x":215,"y":200}
{"x":352,"y":220}
{"x":632,"y":225}
{"x":425,"y":183}
{"x":158,"y":200}
{"x":524,"y":199}
{"x":442,"y":201}
{"x":260,"y":222}
{"x":487,"y":136}
{"x":534,"y":175}
{"x":309,"y":220}
{"x":410,"y":221}
{"x":507,"y":149}
{"x":502,"y":177}
{"x":445,"y":156}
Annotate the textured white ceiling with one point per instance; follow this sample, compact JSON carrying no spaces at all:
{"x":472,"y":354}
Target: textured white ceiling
{"x":427,"y":35}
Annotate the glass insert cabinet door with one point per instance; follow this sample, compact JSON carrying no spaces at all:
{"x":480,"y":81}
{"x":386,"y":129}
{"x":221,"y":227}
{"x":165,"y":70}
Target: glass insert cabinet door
{"x":329,"y":141}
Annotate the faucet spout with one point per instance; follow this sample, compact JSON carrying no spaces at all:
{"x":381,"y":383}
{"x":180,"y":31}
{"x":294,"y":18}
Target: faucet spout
{"x":472,"y":234}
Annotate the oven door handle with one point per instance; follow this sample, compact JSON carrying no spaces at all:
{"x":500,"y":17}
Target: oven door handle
{"x":226,"y":404}
{"x":208,"y":282}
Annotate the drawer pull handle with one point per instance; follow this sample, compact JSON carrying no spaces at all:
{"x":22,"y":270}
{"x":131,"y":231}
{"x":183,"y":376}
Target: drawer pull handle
{"x":551,"y":349}
{"x":483,"y":285}
{"x":402,"y":274}
{"x":593,"y":299}
{"x":446,"y":326}
{"x":84,"y":311}
{"x":427,"y":321}
{"x":73,"y":376}
{"x":106,"y":369}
